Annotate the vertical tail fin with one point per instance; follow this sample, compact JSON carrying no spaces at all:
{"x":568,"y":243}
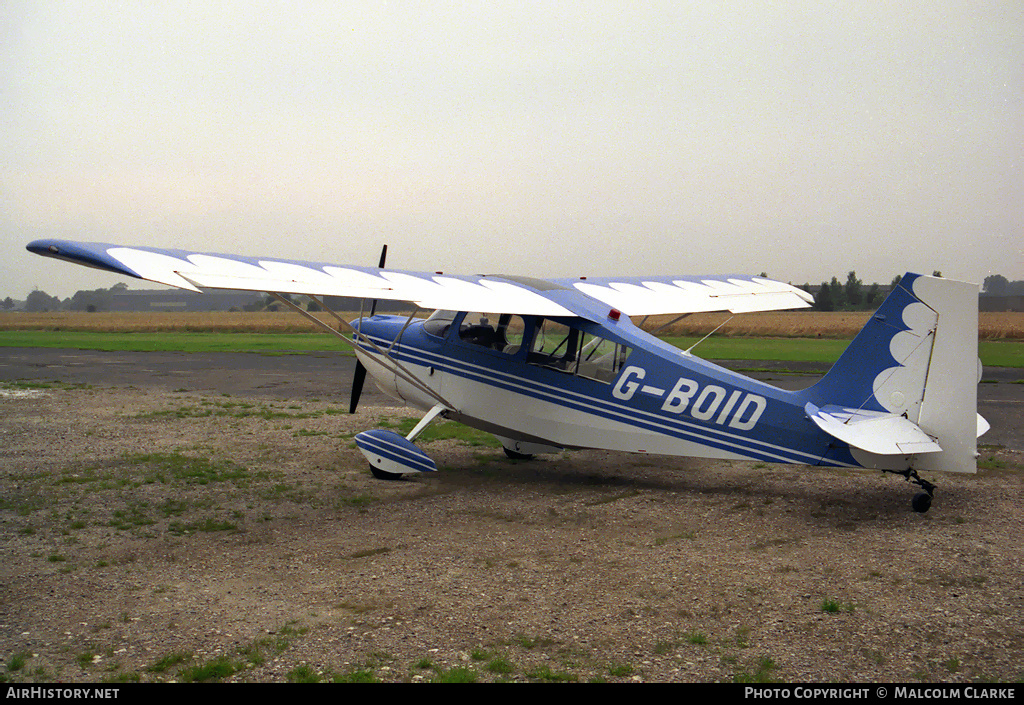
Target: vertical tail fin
{"x":917,"y":357}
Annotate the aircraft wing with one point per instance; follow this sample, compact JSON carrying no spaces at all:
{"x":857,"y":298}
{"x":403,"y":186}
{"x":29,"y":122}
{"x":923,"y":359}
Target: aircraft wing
{"x":648,"y":296}
{"x":195,"y":271}
{"x":633,"y":296}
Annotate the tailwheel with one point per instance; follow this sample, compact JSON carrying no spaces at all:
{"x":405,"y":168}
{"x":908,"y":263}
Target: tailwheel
{"x":516,"y":455}
{"x":922,"y":501}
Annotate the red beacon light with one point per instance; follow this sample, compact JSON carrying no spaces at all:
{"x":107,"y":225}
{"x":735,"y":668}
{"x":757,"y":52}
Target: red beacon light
{"x":614,"y":314}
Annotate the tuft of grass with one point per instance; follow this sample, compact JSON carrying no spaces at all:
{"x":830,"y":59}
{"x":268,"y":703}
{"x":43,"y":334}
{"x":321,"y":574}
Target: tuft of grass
{"x":620,"y":670}
{"x":132,"y":517}
{"x":696,"y":638}
{"x":86,"y":658}
{"x":303,"y":674}
{"x":762,"y":672}
{"x":18,"y":661}
{"x":363,"y":675}
{"x":216,"y":670}
{"x":544,"y":673}
{"x":189,"y":470}
{"x":459,"y":674}
{"x":500,"y":665}
{"x":991,"y":462}
{"x":359,"y":501}
{"x":165,"y":663}
{"x":256,"y":653}
{"x":528,"y":642}
{"x":833,"y":606}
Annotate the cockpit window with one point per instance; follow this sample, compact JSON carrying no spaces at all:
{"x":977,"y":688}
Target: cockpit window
{"x":439,"y":322}
{"x":502,"y":332}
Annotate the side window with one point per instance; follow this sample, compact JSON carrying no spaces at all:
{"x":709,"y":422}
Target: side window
{"x":601,"y":359}
{"x":501,"y":332}
{"x":574,"y":351}
{"x":554,"y":345}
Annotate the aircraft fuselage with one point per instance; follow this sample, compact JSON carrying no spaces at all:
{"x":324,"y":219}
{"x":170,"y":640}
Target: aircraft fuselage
{"x":657,"y":399}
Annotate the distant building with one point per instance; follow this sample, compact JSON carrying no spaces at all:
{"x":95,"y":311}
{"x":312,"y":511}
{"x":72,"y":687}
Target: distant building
{"x":180,"y":300}
{"x":223,"y":300}
{"x":345,"y":303}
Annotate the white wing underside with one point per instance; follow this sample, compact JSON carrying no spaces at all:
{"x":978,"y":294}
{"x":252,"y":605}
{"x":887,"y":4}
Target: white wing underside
{"x":665,"y":295}
{"x":633,"y":296}
{"x":201,"y":271}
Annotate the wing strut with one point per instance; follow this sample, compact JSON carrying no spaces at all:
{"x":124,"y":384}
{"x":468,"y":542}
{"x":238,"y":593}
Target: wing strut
{"x":395,"y":366}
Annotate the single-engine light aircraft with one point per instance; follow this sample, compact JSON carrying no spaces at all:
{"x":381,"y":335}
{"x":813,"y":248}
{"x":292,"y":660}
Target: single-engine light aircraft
{"x":547,"y":365}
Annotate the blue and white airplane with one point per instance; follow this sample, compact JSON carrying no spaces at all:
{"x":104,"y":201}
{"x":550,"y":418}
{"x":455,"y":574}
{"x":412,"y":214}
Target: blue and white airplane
{"x":547,"y":365}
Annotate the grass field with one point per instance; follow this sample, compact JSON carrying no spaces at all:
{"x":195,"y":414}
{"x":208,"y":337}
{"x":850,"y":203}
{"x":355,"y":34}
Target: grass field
{"x":798,"y":336}
{"x":166,"y":341}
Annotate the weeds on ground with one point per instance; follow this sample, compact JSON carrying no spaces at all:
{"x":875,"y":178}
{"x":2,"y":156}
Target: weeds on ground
{"x":761,"y":673}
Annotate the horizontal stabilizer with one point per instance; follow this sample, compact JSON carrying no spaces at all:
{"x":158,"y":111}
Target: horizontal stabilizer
{"x":873,"y":431}
{"x":983,"y":426}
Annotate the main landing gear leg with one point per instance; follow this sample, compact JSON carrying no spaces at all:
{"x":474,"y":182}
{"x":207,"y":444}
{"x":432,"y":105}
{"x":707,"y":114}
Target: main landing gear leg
{"x":922,"y":501}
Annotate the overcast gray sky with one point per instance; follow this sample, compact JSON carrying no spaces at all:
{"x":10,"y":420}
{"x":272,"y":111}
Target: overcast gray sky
{"x":800,"y":138}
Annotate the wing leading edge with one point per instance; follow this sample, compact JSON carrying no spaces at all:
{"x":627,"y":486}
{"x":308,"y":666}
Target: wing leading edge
{"x":633,"y":296}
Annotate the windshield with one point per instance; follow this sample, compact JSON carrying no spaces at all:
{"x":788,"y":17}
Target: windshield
{"x":439,"y":322}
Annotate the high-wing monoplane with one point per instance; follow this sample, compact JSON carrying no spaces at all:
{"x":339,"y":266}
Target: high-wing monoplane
{"x":547,"y":365}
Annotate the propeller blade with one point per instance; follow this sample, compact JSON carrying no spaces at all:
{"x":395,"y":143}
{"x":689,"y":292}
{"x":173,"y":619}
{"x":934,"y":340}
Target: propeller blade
{"x":383,"y":256}
{"x":360,"y":375}
{"x":357,"y":386}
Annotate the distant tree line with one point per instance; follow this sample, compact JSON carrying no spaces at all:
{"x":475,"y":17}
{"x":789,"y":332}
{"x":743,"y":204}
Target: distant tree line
{"x":850,"y":295}
{"x":91,"y":300}
{"x":39,"y":300}
{"x":998,"y":285}
{"x":103,"y":299}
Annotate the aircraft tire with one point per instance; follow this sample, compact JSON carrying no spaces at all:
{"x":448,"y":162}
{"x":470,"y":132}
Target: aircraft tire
{"x":382,"y":475}
{"x":922,"y":502}
{"x":515,"y":455}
